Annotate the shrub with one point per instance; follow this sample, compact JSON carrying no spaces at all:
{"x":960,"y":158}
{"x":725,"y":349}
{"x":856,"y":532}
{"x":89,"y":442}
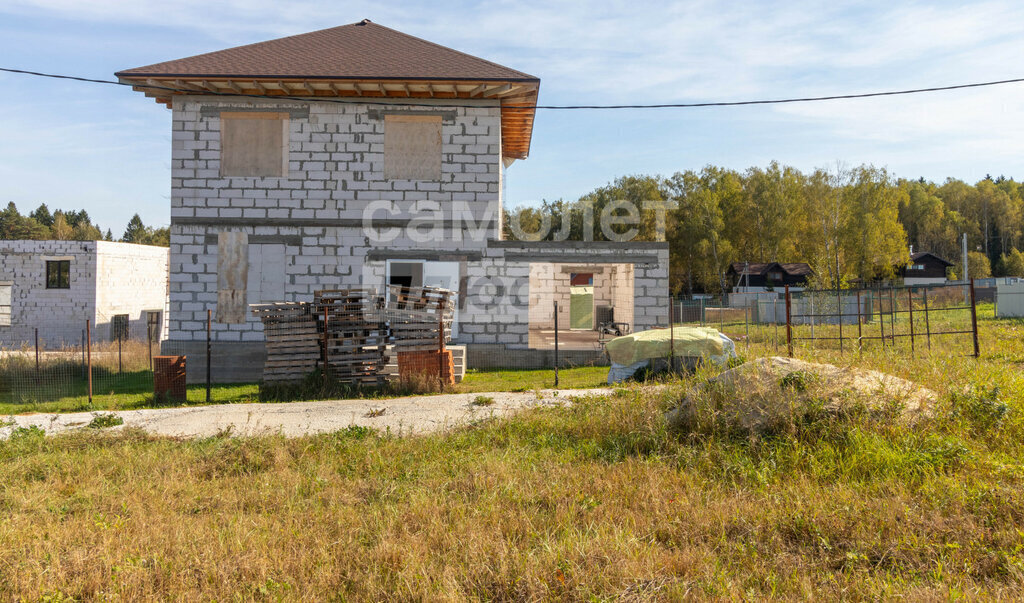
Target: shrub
{"x":103,"y":421}
{"x":483,"y":401}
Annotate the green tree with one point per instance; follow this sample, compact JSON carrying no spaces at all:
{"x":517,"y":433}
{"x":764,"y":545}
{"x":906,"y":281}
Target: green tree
{"x":136,"y":232}
{"x":61,"y":230}
{"x":42,"y":215}
{"x":1012,"y":263}
{"x":978,"y":265}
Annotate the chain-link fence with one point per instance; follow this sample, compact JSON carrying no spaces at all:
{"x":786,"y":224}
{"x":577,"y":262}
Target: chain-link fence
{"x":379,"y":338}
{"x":918,"y":318}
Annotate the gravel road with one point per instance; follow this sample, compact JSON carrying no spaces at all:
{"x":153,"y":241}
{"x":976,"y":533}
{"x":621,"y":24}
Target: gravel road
{"x":403,"y":416}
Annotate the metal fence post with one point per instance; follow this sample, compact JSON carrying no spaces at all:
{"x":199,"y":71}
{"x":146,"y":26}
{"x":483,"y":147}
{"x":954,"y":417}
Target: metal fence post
{"x":671,"y":339}
{"x":556,"y":343}
{"x":910,"y":307}
{"x":326,"y":362}
{"x":37,"y":353}
{"x":860,"y":333}
{"x":811,"y":301}
{"x":440,"y":344}
{"x":789,"y":323}
{"x":775,"y":320}
{"x":120,"y":365}
{"x":974,"y":320}
{"x":839,"y":300}
{"x":746,"y":323}
{"x":88,"y":358}
{"x":927,"y":325}
{"x":209,"y":328}
{"x":892,"y":315}
{"x":881,"y":319}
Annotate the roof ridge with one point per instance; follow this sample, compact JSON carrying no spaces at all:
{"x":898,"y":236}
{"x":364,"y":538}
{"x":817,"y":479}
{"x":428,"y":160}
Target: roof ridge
{"x":441,"y":46}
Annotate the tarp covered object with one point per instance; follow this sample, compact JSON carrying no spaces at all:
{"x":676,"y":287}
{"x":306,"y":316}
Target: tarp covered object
{"x":655,"y":343}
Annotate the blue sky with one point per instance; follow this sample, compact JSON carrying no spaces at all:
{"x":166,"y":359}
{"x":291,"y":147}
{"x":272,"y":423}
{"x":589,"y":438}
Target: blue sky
{"x":107,"y":149}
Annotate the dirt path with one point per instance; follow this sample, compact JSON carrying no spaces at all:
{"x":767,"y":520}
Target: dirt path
{"x":413,"y":414}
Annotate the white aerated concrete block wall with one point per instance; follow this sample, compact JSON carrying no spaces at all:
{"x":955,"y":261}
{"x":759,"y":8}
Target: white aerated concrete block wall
{"x":105,"y":279}
{"x":130,"y":279}
{"x":315,"y":214}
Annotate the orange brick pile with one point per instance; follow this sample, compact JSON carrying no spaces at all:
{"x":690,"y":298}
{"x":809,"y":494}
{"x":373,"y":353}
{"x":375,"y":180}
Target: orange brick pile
{"x":169,"y":377}
{"x":425,"y":364}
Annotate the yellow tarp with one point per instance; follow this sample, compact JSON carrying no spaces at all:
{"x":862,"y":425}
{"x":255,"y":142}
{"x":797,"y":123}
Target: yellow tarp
{"x":655,"y":343}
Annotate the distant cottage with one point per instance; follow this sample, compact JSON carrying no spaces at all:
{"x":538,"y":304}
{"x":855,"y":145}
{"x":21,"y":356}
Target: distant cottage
{"x":758,"y":277}
{"x":925,"y":268}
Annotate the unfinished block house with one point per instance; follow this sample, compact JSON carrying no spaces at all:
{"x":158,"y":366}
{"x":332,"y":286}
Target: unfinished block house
{"x":362,"y":156}
{"x":55,"y":286}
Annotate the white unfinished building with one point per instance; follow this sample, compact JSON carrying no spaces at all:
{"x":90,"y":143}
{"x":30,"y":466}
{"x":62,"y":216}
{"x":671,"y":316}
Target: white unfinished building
{"x":56,"y":286}
{"x":361,"y":156}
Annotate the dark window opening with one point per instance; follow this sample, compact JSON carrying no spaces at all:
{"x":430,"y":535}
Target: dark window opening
{"x":119,"y":327}
{"x":58,"y":274}
{"x":153,"y":325}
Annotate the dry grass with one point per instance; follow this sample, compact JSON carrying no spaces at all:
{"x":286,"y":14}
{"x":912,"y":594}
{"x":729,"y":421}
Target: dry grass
{"x":592,"y":502}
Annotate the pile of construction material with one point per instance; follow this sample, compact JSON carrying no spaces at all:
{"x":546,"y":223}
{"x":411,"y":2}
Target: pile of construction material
{"x":346,"y":333}
{"x":293,"y":341}
{"x":421,"y":325}
{"x":355,"y":334}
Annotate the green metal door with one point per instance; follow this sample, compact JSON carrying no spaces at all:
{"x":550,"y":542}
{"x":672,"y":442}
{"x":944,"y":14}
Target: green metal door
{"x":581,"y":307}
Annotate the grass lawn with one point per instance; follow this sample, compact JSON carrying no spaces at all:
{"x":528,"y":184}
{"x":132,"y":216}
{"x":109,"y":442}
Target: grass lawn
{"x":527,"y":380}
{"x":134,"y":391}
{"x":597,"y":501}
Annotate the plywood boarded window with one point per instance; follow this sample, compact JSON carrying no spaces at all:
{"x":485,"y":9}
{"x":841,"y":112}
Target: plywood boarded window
{"x":232,"y":275}
{"x":5,"y":303}
{"x":412,"y":147}
{"x":254,"y":144}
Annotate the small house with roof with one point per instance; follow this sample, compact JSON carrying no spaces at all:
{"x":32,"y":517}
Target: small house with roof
{"x":924,"y":268}
{"x":362,"y":156}
{"x":759,"y":277}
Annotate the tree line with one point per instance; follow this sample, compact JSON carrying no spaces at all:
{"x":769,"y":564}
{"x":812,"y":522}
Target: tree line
{"x":851,"y":224}
{"x":65,"y":225}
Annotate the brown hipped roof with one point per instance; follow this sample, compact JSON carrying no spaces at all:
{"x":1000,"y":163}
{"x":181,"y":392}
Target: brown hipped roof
{"x":361,"y":50}
{"x":361,"y":59}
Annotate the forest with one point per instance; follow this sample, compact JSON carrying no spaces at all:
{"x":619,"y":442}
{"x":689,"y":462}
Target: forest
{"x":851,"y":224}
{"x":73,"y":225}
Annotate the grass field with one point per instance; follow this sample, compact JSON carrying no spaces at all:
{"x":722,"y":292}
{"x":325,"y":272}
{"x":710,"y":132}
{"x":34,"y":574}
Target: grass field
{"x":591,"y":502}
{"x":135,"y":390}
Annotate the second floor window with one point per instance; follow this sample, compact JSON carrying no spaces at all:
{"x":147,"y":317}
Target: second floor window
{"x":412,"y":147}
{"x":253,"y":144}
{"x":58,"y":274}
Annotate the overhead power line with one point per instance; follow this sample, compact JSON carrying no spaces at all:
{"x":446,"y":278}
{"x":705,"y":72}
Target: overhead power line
{"x":365,"y":101}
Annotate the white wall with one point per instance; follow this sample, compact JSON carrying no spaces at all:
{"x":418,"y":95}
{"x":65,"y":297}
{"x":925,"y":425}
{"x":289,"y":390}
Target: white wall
{"x":130,"y":279}
{"x":1010,"y":300}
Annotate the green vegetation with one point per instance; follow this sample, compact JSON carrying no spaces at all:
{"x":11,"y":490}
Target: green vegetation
{"x":103,"y":421}
{"x":858,"y":220}
{"x":483,"y":401}
{"x":591,"y":501}
{"x":580,"y":377}
{"x":132,"y":397}
{"x":130,"y":391}
{"x":73,"y":226}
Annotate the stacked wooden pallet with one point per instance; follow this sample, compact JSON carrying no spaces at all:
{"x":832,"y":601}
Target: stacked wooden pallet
{"x":292,"y":341}
{"x":418,"y":315}
{"x":356,"y":334}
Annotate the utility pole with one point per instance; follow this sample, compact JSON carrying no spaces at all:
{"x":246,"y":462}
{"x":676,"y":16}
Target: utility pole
{"x":967,"y":276}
